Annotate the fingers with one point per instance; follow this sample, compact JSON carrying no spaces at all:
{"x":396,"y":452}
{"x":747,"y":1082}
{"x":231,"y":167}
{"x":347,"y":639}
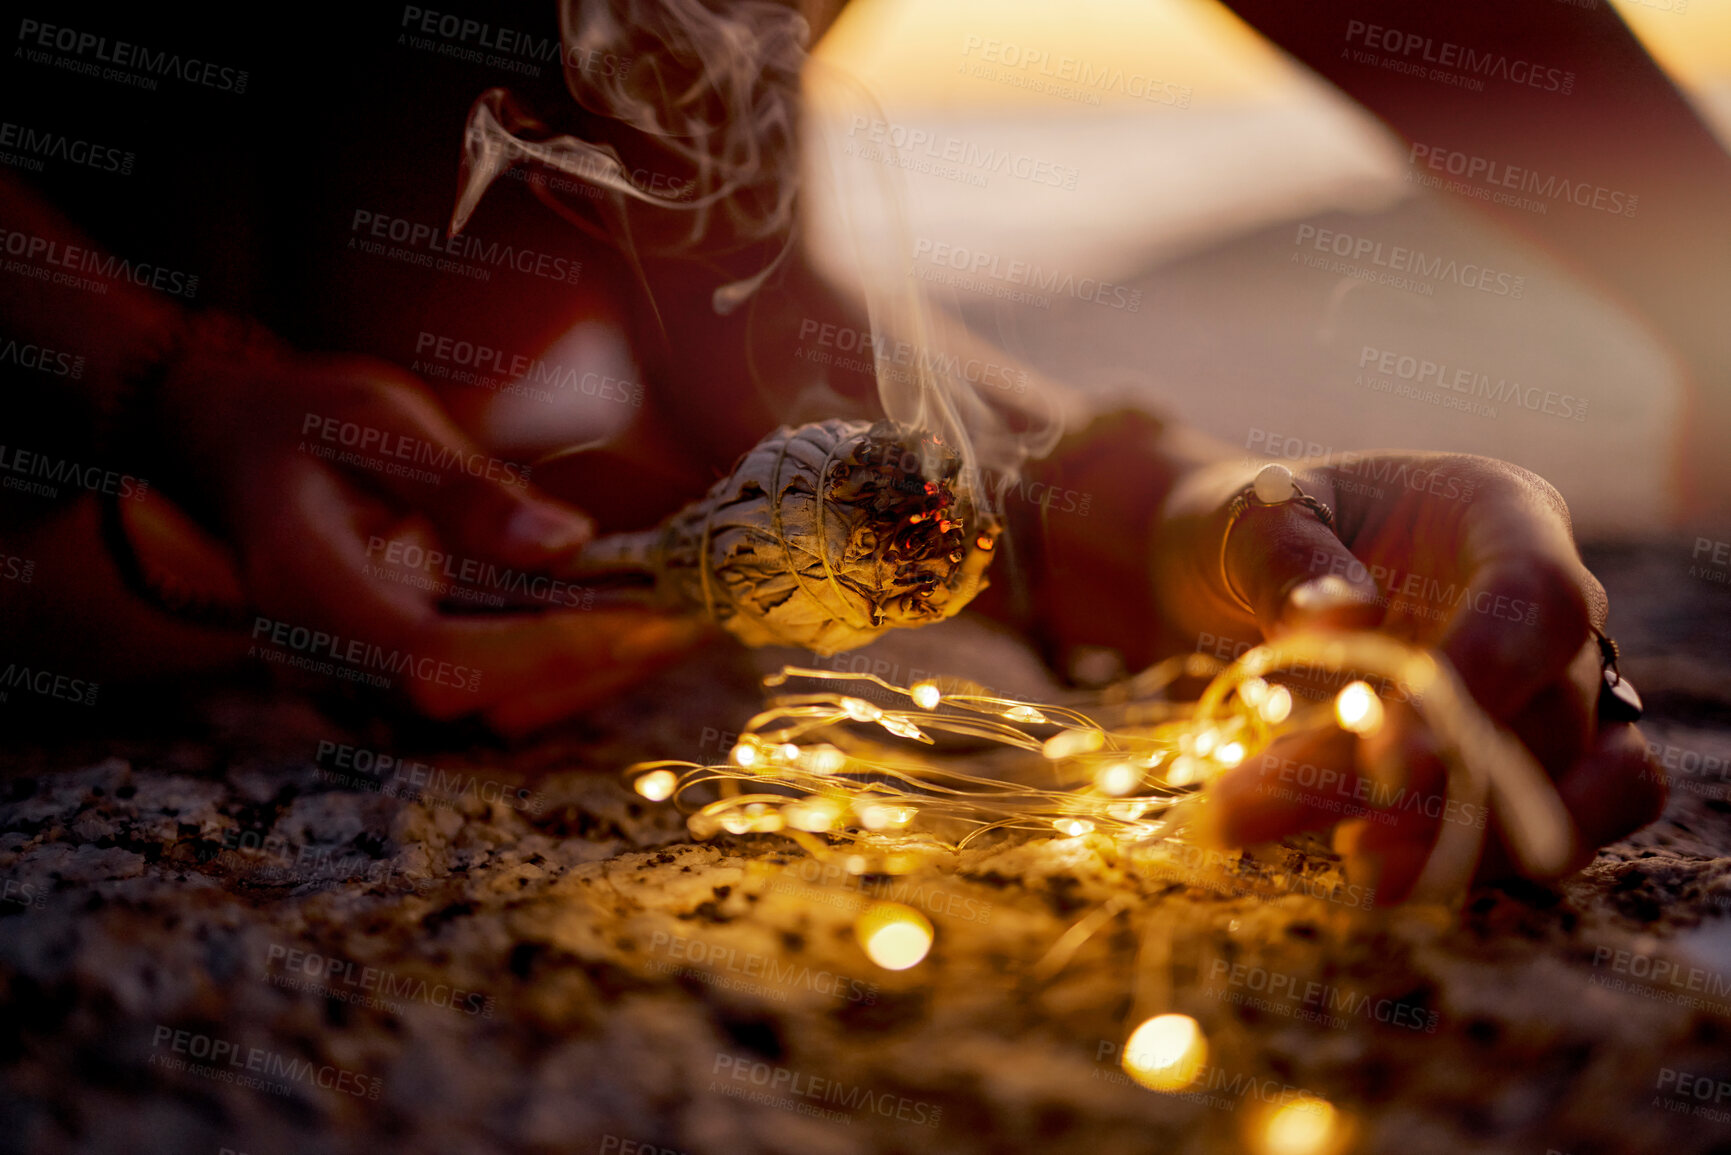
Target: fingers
{"x":1297,"y":784}
{"x":1295,"y":573}
{"x":1386,"y":853}
{"x":1557,"y":723}
{"x":1615,"y":790}
{"x":406,"y":444}
{"x":576,"y":663}
{"x":1519,"y":625}
{"x":311,"y":572}
{"x":632,"y":481}
{"x":536,"y":671}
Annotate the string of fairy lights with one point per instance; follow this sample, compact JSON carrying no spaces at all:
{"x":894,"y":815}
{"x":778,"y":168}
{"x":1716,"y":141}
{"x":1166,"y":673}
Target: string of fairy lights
{"x":865,"y":773}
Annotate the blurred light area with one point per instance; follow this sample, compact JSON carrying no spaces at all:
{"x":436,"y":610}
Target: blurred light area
{"x":582,"y":398}
{"x":1692,"y":40}
{"x":916,"y":51}
{"x":1226,"y":135}
{"x":894,"y":936}
{"x":1195,"y":208}
{"x":1306,"y":1125}
{"x":1166,"y":1052}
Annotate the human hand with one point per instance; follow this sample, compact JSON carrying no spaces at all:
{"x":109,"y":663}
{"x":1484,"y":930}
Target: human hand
{"x":1466,"y":555}
{"x":336,"y":479}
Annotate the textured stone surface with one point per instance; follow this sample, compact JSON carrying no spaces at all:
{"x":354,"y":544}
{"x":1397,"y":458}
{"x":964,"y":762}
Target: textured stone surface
{"x":527,"y":958}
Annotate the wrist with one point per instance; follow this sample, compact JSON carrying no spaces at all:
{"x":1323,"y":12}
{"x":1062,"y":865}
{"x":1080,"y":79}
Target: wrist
{"x":1084,"y":522}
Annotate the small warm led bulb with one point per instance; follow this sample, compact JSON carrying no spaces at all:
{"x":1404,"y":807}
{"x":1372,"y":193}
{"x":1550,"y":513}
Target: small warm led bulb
{"x":1305,"y":1125}
{"x":1277,"y":706}
{"x":657,"y":785}
{"x":925,"y":695}
{"x":860,"y":710}
{"x":1117,"y":778}
{"x":1024,"y":714}
{"x":745,"y":754}
{"x":1358,"y":709}
{"x":901,"y":728}
{"x":1184,"y":771}
{"x":1073,"y":827}
{"x":1253,"y":691}
{"x":762,"y":818}
{"x":883,"y":815}
{"x":815,"y":815}
{"x":1068,"y":743}
{"x":824,"y":759}
{"x":1166,"y":1053}
{"x":894,"y":936}
{"x":1230,"y":754}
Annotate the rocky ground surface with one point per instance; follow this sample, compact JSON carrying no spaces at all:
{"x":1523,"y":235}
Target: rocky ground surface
{"x":218,"y":933}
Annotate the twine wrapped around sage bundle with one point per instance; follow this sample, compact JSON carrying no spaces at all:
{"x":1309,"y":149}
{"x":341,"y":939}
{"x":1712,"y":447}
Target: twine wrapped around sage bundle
{"x":823,"y":537}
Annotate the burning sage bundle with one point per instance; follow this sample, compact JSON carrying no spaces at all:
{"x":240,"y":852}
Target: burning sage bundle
{"x":822,"y":537}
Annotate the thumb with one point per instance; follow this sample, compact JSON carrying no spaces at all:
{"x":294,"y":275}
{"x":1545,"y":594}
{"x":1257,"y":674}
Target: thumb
{"x":1295,"y":573}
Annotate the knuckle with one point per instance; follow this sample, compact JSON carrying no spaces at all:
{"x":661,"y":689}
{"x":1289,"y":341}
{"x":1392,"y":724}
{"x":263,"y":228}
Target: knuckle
{"x":1517,"y":480}
{"x":1560,"y":590}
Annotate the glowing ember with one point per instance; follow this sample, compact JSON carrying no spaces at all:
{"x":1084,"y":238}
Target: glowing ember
{"x":846,"y":542}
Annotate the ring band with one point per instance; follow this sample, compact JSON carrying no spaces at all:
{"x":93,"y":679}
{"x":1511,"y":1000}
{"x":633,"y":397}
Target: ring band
{"x":1618,"y":701}
{"x":1274,"y":485}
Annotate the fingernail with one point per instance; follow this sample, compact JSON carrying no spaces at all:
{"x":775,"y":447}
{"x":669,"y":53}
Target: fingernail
{"x":549,"y":528}
{"x":659,"y":638}
{"x":1318,"y":595}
